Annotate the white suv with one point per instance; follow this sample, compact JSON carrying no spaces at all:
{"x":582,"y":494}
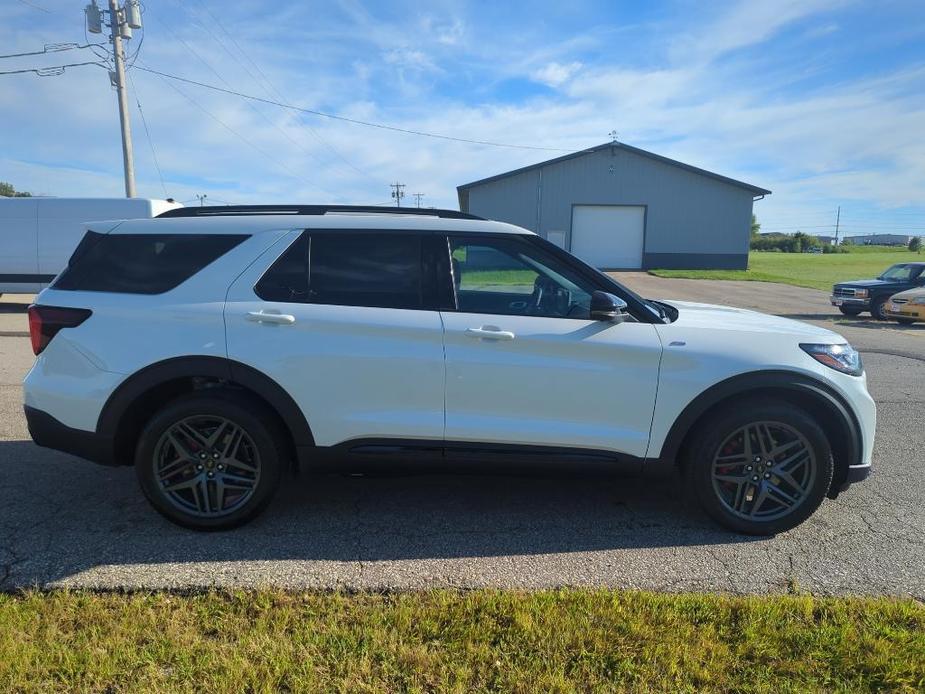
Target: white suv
{"x":217,"y":348}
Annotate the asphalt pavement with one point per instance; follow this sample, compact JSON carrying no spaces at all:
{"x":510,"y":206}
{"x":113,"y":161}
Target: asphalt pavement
{"x":66,"y":522}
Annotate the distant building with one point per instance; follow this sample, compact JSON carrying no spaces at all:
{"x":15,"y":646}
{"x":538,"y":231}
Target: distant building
{"x":827,"y":240}
{"x":882,"y":239}
{"x":617,"y":206}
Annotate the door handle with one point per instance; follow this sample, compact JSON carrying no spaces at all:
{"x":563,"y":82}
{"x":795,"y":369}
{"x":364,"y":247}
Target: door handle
{"x":274,"y":318}
{"x":490,"y":332}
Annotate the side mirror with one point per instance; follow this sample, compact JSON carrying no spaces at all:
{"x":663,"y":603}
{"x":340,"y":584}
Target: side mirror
{"x":607,"y":307}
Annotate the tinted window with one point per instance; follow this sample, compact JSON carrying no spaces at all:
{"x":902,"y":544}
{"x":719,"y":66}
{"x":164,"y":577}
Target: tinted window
{"x":141,"y":263}
{"x":348,"y":269}
{"x":512,"y":277}
{"x":287,"y":278}
{"x":375,"y":269}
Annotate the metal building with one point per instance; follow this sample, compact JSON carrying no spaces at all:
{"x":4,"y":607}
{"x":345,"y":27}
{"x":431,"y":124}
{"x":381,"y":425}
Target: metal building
{"x":881,"y":239}
{"x":617,"y":207}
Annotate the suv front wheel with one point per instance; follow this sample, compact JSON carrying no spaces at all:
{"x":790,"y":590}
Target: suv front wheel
{"x":209,"y":461}
{"x":761,"y":467}
{"x":878,"y":309}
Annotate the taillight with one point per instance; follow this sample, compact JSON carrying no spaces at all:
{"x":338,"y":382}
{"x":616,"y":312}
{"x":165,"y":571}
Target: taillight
{"x":46,"y":321}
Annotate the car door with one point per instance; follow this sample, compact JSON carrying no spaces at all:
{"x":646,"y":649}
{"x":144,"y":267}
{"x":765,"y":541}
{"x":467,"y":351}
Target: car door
{"x":340,"y":320}
{"x":525,"y":363}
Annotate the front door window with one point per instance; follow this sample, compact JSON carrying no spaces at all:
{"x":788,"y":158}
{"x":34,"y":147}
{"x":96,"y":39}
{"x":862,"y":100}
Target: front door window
{"x":511,"y":277}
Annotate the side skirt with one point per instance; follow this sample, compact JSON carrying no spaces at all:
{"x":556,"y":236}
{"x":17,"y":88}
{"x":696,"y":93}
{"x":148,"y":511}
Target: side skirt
{"x":412,"y":456}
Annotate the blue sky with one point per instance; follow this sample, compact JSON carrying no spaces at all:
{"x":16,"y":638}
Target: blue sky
{"x":821,"y":101}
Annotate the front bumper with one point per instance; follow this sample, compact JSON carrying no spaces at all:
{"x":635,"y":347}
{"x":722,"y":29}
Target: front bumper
{"x":910,"y":311}
{"x":48,"y":432}
{"x":850,"y":301}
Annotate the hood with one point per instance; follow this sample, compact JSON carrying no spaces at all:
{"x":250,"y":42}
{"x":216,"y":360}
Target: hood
{"x":868,"y":283}
{"x":742,"y":320}
{"x":911,"y":293}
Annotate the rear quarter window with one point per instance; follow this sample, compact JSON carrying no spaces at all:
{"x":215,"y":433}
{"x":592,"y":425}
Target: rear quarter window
{"x":141,"y":263}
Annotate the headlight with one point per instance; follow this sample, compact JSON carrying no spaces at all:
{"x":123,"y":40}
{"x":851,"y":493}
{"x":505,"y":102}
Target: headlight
{"x":918,"y":301}
{"x":844,"y":358}
{"x":860,"y":293}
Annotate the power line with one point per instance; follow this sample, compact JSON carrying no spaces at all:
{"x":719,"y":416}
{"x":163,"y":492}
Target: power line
{"x":52,"y":48}
{"x":34,"y":6}
{"x":253,"y":108}
{"x":234,"y":132}
{"x":144,"y":122}
{"x":268,"y":87}
{"x":354,"y":121}
{"x":52,"y":71}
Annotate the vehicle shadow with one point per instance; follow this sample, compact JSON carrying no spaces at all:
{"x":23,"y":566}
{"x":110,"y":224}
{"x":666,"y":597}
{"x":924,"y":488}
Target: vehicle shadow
{"x":63,"y":516}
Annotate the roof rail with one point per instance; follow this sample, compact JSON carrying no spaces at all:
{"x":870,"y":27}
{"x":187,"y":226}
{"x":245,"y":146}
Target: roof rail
{"x":245,"y":210}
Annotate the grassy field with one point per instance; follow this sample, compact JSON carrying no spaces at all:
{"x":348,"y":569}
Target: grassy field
{"x":549,"y":641}
{"x":807,"y":269}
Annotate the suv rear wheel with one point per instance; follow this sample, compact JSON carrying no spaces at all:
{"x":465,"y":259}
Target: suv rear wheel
{"x":209,"y":462}
{"x":760,"y":468}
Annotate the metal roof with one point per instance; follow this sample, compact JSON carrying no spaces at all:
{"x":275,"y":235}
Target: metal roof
{"x":618,"y":145}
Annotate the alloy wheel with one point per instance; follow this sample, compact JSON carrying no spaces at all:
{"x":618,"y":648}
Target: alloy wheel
{"x":763,"y":471}
{"x":206,"y":466}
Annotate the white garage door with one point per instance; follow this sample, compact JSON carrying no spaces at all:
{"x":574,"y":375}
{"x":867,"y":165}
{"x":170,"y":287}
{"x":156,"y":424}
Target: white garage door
{"x":608,"y":236}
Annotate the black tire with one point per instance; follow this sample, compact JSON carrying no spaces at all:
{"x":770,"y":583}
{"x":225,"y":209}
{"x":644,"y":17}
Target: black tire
{"x":716,"y":432}
{"x":878,"y":309}
{"x":848,"y":311}
{"x":258,"y":448}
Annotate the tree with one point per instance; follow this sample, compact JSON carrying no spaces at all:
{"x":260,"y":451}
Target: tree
{"x":756,"y":227}
{"x":8,"y":191}
{"x":915,"y":244}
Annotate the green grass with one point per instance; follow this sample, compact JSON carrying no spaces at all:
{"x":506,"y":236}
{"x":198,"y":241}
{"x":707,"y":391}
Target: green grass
{"x":811,"y":270}
{"x":499,"y":278}
{"x":549,"y":641}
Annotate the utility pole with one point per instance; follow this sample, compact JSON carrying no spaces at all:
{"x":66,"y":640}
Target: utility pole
{"x":121,"y":22}
{"x":837,"y":219}
{"x":118,"y":79}
{"x":202,"y":198}
{"x":417,"y":198}
{"x":398,"y":192}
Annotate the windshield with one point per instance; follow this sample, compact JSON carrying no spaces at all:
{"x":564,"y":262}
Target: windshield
{"x":901,"y":273}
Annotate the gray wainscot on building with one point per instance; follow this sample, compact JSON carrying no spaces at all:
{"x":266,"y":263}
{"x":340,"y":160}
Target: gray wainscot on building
{"x":620,"y":207}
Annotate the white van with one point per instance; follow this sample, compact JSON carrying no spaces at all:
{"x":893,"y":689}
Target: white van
{"x":38,"y":235}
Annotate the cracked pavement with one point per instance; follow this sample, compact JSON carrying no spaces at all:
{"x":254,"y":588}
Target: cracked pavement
{"x":66,"y":522}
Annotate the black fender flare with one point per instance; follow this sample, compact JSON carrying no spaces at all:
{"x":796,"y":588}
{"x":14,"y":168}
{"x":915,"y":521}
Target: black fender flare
{"x":221,"y":368}
{"x":817,"y":391}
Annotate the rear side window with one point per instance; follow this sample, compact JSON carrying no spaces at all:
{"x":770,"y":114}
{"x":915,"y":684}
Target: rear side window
{"x":141,"y":263}
{"x":376,"y":269}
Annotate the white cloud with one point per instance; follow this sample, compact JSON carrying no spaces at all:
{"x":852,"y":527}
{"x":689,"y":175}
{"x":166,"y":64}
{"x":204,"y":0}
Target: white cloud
{"x":747,"y":23}
{"x":556,"y":74}
{"x":821,"y":30}
{"x":409,"y":59}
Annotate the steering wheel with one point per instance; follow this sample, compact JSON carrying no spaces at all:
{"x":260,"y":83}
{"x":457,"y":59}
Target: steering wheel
{"x":547,"y":298}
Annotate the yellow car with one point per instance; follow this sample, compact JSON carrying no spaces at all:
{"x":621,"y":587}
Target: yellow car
{"x":907,"y":306}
